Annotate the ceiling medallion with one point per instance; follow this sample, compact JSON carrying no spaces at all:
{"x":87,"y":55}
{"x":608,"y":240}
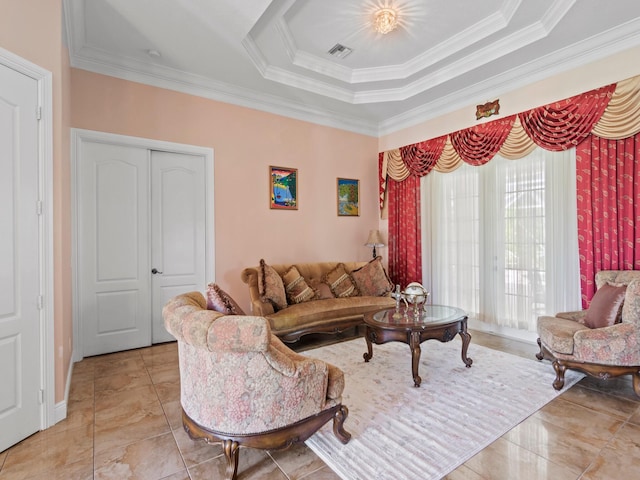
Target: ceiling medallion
{"x":385,"y":20}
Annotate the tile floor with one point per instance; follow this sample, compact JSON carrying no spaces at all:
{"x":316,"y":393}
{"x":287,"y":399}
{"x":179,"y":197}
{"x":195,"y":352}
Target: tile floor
{"x":124,"y":423}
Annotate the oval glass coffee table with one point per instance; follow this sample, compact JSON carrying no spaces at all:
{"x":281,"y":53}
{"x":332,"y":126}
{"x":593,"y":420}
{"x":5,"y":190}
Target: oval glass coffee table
{"x":437,"y":322}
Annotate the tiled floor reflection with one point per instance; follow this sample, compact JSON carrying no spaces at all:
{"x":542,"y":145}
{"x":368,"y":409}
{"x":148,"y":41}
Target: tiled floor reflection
{"x":124,"y":423}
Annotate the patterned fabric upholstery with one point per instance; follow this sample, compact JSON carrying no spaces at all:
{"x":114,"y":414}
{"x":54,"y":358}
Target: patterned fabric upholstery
{"x":237,"y":377}
{"x":567,"y":338}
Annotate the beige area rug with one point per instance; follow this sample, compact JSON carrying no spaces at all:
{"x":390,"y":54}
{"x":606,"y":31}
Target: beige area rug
{"x":402,"y":432}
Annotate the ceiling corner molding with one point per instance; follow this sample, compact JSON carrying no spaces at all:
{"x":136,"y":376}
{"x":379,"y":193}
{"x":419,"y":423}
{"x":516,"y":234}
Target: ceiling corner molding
{"x":288,"y":41}
{"x":73,"y":18}
{"x":255,"y":55}
{"x":556,"y":12}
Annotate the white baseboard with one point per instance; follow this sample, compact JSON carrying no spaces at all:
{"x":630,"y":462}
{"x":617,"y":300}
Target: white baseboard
{"x":60,"y":412}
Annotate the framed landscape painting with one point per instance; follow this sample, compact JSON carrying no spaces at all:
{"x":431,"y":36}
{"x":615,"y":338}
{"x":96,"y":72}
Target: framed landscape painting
{"x":348,"y":197}
{"x":283,"y":188}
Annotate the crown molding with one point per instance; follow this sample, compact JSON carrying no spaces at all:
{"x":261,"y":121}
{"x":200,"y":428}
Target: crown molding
{"x":163,"y":77}
{"x":614,"y":41}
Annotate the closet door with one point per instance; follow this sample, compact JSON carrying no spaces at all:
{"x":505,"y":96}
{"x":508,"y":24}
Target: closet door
{"x":177,"y":231}
{"x":141,"y":240}
{"x":113,"y":248}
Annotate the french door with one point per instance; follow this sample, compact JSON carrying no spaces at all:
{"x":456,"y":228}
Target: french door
{"x":141,"y":239}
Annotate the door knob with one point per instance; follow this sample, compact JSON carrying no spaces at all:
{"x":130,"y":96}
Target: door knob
{"x":155,"y":271}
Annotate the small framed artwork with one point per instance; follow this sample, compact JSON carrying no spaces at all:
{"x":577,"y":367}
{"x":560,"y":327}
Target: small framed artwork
{"x":283,"y":188}
{"x":348,"y":197}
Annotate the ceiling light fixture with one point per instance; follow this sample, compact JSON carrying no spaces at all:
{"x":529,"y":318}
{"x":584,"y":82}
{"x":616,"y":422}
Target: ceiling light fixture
{"x":385,"y":20}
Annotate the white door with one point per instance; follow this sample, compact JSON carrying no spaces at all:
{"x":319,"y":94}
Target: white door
{"x":139,"y":212}
{"x":177,"y":231}
{"x":113,"y":247}
{"x":20,"y":370}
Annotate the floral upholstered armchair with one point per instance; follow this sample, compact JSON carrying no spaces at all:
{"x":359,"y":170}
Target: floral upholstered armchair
{"x":240,"y":385}
{"x":603,"y":341}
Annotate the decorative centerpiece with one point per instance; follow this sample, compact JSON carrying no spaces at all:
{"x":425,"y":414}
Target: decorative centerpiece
{"x":414,"y":294}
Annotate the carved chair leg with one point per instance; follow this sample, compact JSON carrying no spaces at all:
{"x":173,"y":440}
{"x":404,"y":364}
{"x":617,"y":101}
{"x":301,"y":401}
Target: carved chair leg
{"x":636,"y":382}
{"x":338,"y":424}
{"x":231,"y":453}
{"x":559,"y":381}
{"x":539,"y":355}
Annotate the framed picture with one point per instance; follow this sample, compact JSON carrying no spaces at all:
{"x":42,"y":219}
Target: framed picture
{"x":348,"y":197}
{"x":283,"y":188}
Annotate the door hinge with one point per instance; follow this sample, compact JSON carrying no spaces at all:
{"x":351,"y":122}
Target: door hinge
{"x":40,"y":302}
{"x":39,"y":207}
{"x":38,"y":112}
{"x":41,"y":396}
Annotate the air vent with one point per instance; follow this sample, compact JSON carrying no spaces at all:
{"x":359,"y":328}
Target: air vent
{"x":339,"y":51}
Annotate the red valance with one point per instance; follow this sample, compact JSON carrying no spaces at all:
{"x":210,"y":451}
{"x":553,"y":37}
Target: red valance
{"x":420,"y":158}
{"x":480,"y":143}
{"x":564,"y":124}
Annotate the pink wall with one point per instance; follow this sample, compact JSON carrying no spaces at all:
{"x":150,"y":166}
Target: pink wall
{"x":245,"y":143}
{"x":32,"y":29}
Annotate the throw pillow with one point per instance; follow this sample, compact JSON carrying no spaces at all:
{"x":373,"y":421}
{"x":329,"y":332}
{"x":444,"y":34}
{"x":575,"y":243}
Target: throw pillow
{"x":605,"y":306}
{"x":296,"y":286}
{"x":221,"y":301}
{"x":270,"y":286}
{"x":372,"y":279}
{"x":322,"y":290}
{"x":340,"y":282}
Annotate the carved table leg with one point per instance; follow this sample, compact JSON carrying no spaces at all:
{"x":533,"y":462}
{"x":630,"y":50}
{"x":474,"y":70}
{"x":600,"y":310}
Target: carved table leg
{"x":369,"y":354}
{"x":231,"y":451}
{"x":558,"y":383}
{"x":414,"y":343}
{"x":466,"y":338}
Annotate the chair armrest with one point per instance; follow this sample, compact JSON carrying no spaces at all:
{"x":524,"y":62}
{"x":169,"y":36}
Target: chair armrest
{"x":186,"y":318}
{"x":575,"y":316}
{"x":613,"y":345}
{"x":258,"y":307}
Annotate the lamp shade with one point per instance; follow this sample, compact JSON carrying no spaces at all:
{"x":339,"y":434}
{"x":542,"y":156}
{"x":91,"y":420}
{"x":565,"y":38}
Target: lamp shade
{"x":375,"y":239}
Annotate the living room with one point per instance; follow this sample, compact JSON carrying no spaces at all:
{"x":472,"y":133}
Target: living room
{"x":245,"y":142}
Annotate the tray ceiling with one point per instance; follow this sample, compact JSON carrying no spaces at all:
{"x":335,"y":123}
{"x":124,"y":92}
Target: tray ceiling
{"x":274,"y":55}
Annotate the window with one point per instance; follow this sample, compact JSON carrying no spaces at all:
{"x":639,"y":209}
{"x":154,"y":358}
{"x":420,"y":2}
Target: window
{"x":501,"y":239}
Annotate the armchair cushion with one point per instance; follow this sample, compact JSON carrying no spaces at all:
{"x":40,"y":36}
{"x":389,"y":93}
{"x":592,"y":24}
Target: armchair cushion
{"x":558,"y":333}
{"x":606,"y":306}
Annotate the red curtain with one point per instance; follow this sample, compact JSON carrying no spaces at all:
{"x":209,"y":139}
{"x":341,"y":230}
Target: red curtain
{"x":479,"y":144}
{"x":405,"y":250}
{"x":608,"y":194}
{"x":382,"y":180}
{"x":420,"y":158}
{"x":564,"y":124}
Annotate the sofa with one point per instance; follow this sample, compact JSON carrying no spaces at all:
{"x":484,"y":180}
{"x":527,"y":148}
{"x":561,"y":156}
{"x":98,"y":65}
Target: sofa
{"x":321,"y":297}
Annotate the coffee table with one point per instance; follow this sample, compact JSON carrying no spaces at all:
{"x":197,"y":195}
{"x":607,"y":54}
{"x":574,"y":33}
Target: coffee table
{"x":437,"y":322}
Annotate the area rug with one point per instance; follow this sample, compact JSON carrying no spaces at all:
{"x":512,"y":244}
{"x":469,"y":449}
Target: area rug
{"x":403,"y":432}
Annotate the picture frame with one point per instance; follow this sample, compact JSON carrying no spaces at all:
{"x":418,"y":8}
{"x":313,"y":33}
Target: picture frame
{"x":283,"y":188}
{"x":348,"y":197}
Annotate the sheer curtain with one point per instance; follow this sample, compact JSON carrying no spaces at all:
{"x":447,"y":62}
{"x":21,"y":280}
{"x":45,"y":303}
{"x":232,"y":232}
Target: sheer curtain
{"x":501,"y":239}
